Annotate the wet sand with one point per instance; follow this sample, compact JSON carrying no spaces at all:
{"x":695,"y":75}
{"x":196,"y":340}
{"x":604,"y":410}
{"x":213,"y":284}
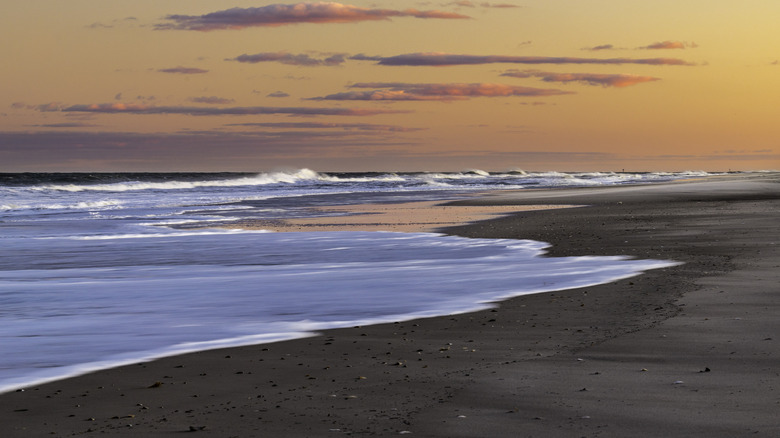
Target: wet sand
{"x":684,"y":351}
{"x":407,"y":217}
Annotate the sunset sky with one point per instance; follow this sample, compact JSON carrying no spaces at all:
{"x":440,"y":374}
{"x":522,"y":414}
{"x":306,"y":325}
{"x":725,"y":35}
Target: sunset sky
{"x":210,"y":85}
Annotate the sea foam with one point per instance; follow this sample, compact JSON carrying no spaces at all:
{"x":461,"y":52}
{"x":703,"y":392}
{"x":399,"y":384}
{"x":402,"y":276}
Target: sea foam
{"x":128,"y":299}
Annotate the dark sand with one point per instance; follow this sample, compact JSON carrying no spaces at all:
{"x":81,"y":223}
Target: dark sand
{"x":686,"y":351}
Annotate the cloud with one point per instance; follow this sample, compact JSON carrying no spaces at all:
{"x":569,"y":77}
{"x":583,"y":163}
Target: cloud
{"x":470,"y":4}
{"x":665,"y":45}
{"x":66,"y":125}
{"x":281,"y":15}
{"x":47,"y":107}
{"x":183,"y":70}
{"x":395,"y":91}
{"x":278,"y":94}
{"x":606,"y":80}
{"x":127,"y":151}
{"x":213,"y":100}
{"x":290,"y":59}
{"x":601,"y":47}
{"x":133,"y":108}
{"x":112,"y":24}
{"x":446,"y":59}
{"x":313,"y":125}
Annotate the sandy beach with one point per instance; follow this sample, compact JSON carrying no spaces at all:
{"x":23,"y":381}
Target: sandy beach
{"x":685,"y":351}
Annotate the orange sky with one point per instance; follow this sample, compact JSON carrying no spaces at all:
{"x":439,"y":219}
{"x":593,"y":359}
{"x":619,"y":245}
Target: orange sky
{"x":205,"y":85}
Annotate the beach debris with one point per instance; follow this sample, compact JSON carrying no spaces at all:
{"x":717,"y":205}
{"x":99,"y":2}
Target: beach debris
{"x":678,"y":382}
{"x":155,"y":385}
{"x":197,"y":428}
{"x":404,"y":432}
{"x":643,"y":370}
{"x":705,"y":370}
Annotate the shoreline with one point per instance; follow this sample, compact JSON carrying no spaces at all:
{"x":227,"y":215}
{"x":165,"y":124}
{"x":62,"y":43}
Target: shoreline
{"x":567,"y":363}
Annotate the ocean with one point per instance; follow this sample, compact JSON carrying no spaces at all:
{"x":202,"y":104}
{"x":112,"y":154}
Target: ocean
{"x":101,"y":270}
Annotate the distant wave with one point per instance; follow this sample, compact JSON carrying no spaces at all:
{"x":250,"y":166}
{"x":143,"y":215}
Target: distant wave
{"x":516,"y":178}
{"x":93,"y":205}
{"x":260,"y":179}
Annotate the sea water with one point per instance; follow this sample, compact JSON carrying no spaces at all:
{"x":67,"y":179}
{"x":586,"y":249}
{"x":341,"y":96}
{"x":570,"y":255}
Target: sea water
{"x":100,"y":270}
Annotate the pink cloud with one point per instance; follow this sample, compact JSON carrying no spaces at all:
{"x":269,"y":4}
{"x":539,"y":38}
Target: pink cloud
{"x":446,"y":59}
{"x":133,"y":108}
{"x":470,"y":4}
{"x":665,"y":45}
{"x":290,"y":59}
{"x":499,"y":5}
{"x":281,"y":14}
{"x":66,"y":125}
{"x":183,"y":70}
{"x":606,"y":80}
{"x":395,"y":91}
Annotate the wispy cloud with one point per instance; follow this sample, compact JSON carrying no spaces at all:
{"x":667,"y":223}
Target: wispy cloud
{"x":606,"y":80}
{"x":446,"y":59}
{"x":290,"y":59}
{"x":131,"y":108}
{"x":281,"y":15}
{"x":65,"y":125}
{"x":278,"y":94}
{"x":470,"y":4}
{"x":601,"y":47}
{"x":313,"y":125}
{"x":127,"y":151}
{"x":22,"y":105}
{"x":665,"y":45}
{"x":112,"y":24}
{"x":183,"y":70}
{"x":395,"y":91}
{"x":212,"y":100}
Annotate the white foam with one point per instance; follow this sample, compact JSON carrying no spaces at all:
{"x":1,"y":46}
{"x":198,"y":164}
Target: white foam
{"x":260,"y":179}
{"x":209,"y":289}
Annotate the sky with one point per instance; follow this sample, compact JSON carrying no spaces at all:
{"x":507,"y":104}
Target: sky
{"x":568,"y":85}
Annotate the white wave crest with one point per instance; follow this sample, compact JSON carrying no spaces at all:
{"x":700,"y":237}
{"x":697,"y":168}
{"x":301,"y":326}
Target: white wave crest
{"x":85,"y":205}
{"x":260,"y":179}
